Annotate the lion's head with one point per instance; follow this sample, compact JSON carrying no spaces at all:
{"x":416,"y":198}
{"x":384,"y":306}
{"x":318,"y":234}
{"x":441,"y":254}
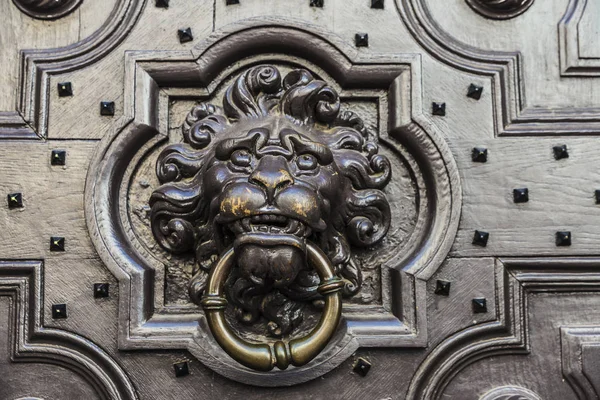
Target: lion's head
{"x":277,"y":165}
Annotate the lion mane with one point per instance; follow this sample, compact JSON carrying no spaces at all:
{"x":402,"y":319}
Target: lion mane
{"x":180,"y":217}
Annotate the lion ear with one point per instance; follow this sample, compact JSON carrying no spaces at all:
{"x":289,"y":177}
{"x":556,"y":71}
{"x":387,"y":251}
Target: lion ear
{"x":368,"y":217}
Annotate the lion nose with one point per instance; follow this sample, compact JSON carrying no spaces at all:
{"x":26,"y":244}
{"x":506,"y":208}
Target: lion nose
{"x":272,"y":175}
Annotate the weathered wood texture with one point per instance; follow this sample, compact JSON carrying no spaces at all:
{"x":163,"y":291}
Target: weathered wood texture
{"x":534,"y":35}
{"x":12,"y":384}
{"x":103,"y":81}
{"x":561,"y":197}
{"x":589,"y":30}
{"x":21,"y":32}
{"x":541,"y":88}
{"x":52,"y":198}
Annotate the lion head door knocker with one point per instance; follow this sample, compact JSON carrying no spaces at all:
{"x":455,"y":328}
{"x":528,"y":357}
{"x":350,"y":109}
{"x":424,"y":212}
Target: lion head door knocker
{"x":270,"y":192}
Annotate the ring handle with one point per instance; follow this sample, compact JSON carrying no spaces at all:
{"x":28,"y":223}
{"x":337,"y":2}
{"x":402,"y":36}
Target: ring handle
{"x":263,"y":357}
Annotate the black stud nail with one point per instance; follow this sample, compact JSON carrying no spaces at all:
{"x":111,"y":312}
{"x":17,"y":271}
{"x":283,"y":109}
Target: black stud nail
{"x":58,"y":157}
{"x":563,"y":238}
{"x":361,"y":40}
{"x":479,"y":154}
{"x":181,"y":369}
{"x":442,"y":288}
{"x":162,"y":3}
{"x":560,"y":152}
{"x":317,"y":3}
{"x":231,"y":2}
{"x":100,"y":290}
{"x":57,"y":243}
{"x":438,"y":109}
{"x":378,"y":4}
{"x":185,"y":35}
{"x":65,"y":89}
{"x":521,"y":195}
{"x":597,"y":193}
{"x":107,"y":108}
{"x":480,"y":238}
{"x":15,"y":200}
{"x":474,"y":91}
{"x":59,"y":311}
{"x":479,"y":305}
{"x":361,"y":366}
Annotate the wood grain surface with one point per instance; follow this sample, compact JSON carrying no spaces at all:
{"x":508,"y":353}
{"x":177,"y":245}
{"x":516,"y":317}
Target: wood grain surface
{"x":541,"y":88}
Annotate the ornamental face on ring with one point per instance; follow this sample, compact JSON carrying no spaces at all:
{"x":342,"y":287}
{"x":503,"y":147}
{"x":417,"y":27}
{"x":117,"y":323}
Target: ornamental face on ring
{"x":277,"y":165}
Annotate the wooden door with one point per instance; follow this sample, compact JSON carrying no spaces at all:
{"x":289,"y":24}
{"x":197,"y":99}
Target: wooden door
{"x":312,"y":199}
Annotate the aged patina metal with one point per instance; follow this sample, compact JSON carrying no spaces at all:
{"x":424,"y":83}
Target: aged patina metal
{"x":274,"y":173}
{"x":500,"y":9}
{"x":486,"y":285}
{"x":47,"y":9}
{"x":264,"y":357}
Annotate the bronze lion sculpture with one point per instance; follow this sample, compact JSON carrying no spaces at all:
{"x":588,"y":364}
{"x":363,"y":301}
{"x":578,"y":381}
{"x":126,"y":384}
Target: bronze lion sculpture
{"x":277,"y":165}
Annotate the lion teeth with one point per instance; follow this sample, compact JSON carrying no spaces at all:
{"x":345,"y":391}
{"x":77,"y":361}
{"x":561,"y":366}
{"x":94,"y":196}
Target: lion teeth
{"x":246,"y":225}
{"x":292,"y":226}
{"x":269,"y":223}
{"x":274,"y":229}
{"x":300,"y":231}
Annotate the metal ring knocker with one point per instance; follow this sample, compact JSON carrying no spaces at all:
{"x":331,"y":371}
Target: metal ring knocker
{"x":263,"y":357}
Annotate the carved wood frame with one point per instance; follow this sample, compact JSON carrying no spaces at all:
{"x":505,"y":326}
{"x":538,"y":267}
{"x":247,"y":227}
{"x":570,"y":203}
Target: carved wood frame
{"x":32,"y":341}
{"x":516,"y":278}
{"x":30,"y":118}
{"x":505,"y":69}
{"x":151,"y":77}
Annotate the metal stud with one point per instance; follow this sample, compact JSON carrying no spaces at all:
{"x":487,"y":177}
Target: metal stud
{"x":378,"y":4}
{"x":59,"y":311}
{"x":442,"y":287}
{"x":231,"y":2}
{"x":474,"y":91}
{"x":361,"y":40}
{"x":361,"y":367}
{"x":15,"y":200}
{"x":57,"y":243}
{"x":185,"y":35}
{"x":560,"y":152}
{"x":162,"y":3}
{"x":65,"y":89}
{"x":479,"y":154}
{"x":563,"y":238}
{"x":479,"y":305}
{"x":58,"y":157}
{"x":438,"y":109}
{"x":521,"y":195}
{"x":107,"y":108}
{"x":480,"y":238}
{"x":317,"y":3}
{"x":100,"y":290}
{"x":181,"y":369}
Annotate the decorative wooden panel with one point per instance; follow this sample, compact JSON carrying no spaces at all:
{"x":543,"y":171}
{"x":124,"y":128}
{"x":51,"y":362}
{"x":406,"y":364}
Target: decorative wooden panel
{"x":451,"y":159}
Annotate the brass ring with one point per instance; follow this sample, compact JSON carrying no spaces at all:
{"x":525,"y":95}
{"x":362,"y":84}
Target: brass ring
{"x":263,"y":357}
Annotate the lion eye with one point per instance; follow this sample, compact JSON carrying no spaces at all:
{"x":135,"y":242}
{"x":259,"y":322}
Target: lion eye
{"x":241,"y":158}
{"x":307,"y":162}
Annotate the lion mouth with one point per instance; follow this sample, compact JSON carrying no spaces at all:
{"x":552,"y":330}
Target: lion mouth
{"x":270,"y":223}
